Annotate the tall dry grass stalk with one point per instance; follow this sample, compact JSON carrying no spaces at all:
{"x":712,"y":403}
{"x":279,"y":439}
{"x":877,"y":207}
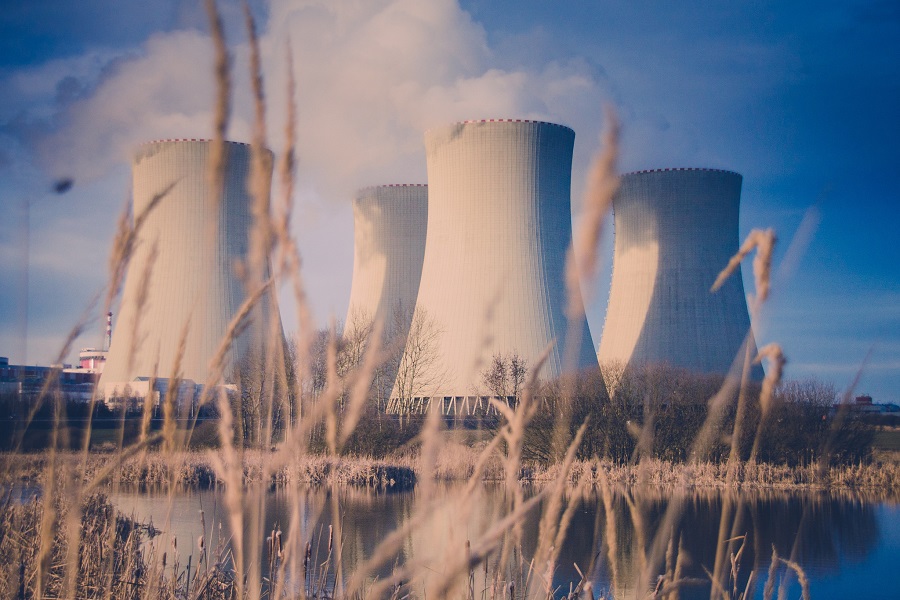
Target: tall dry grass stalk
{"x":172,"y":393}
{"x":611,"y":542}
{"x":602,"y":184}
{"x":288,"y":257}
{"x":557,"y":515}
{"x":222,"y":114}
{"x":776,"y":361}
{"x":764,"y":243}
{"x":124,"y":244}
{"x":125,"y":241}
{"x":581,"y":263}
{"x":260,"y":180}
{"x":735,"y":385}
{"x":361,"y":382}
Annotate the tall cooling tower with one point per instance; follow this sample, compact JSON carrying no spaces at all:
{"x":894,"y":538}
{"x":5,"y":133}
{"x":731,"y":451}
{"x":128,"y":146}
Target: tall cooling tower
{"x":499,"y":226}
{"x":182,"y":272}
{"x":389,"y":224}
{"x":675,"y":230}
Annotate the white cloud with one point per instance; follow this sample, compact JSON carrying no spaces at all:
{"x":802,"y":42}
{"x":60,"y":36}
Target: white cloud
{"x":371,"y":77}
{"x":164,"y":92}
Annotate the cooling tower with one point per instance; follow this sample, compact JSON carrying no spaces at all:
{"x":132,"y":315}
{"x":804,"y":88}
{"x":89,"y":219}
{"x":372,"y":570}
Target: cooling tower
{"x":499,"y":227}
{"x":675,"y":230}
{"x":389,"y":224}
{"x":182,"y":272}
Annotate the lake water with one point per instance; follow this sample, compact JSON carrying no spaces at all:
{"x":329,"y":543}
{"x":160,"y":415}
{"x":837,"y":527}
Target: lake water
{"x":847,"y":546}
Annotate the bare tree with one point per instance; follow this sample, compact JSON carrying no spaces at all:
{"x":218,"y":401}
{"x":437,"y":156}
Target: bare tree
{"x":518,"y":369}
{"x":293,"y":380}
{"x":351,"y":349}
{"x":318,"y":368}
{"x":495,"y":377}
{"x":353,"y":342}
{"x":418,"y":371}
{"x":393,"y":342}
{"x":247,"y":404}
{"x":505,"y":375}
{"x":263,"y":394}
{"x":405,"y":366}
{"x":613,"y":374}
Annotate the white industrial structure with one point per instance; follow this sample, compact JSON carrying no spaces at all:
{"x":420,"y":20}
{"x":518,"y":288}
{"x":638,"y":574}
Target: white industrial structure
{"x":182,"y":275}
{"x":499,"y":227}
{"x":675,"y":230}
{"x":389,"y":224}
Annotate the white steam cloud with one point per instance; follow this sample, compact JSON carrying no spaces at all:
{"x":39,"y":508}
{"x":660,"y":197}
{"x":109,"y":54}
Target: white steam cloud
{"x":371,"y":78}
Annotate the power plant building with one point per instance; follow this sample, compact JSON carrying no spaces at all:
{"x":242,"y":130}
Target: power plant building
{"x":389,"y":225}
{"x":499,"y":228}
{"x":182,"y":275}
{"x":675,"y":230}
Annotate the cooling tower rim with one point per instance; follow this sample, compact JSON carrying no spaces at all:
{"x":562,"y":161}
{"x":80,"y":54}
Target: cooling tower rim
{"x":677,"y":169}
{"x":392,"y":185}
{"x":482,"y":121}
{"x":205,"y":140}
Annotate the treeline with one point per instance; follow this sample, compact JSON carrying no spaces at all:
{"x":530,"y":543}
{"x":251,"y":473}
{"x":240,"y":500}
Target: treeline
{"x":664,"y":413}
{"x":34,"y":423}
{"x":655,"y":412}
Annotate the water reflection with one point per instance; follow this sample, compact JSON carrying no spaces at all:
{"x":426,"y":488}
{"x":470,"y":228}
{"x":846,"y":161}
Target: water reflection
{"x":820,"y":532}
{"x":823,"y":533}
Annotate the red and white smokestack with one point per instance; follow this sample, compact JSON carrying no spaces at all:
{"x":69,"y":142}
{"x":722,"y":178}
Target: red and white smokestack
{"x":108,"y":339}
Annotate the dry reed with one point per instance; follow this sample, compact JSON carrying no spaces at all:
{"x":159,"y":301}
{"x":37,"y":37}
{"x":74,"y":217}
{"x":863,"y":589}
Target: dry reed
{"x":764,"y":242}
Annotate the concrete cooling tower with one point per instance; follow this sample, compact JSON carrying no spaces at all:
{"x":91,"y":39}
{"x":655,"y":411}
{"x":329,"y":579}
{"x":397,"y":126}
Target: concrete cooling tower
{"x":499,"y":226}
{"x":675,"y":230}
{"x":389,"y":224}
{"x":182,"y":270}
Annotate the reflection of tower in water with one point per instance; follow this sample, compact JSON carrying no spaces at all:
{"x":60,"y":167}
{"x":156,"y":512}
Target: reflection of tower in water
{"x":821,"y":532}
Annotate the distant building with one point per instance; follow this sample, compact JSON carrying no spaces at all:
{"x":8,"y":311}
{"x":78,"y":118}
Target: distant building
{"x":30,"y":380}
{"x":865,"y":405}
{"x":92,"y":360}
{"x":133,"y":395}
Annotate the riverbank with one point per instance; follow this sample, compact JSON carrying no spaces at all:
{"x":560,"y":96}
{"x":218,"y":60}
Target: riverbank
{"x":455,"y":463}
{"x":197,"y":470}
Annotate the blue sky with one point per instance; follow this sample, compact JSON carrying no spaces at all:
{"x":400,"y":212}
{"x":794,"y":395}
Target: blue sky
{"x":801,"y":98}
